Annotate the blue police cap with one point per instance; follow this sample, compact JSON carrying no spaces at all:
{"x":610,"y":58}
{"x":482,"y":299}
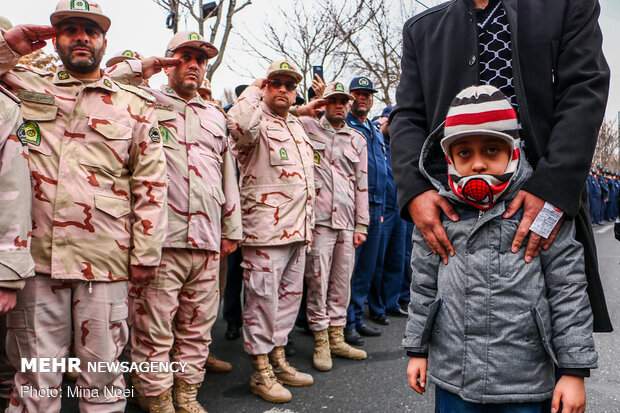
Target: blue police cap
{"x":386,"y":112}
{"x":362,"y":83}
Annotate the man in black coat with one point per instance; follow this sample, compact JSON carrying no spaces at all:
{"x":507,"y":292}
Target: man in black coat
{"x":546,"y":57}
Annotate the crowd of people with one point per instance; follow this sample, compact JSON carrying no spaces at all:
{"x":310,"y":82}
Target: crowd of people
{"x":129,"y":210}
{"x":603,"y":189}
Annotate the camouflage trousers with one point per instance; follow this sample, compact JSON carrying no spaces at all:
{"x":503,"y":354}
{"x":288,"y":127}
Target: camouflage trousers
{"x":273,"y":281}
{"x":171,"y":317}
{"x":7,"y":372}
{"x":40,"y":326}
{"x":329,"y":267}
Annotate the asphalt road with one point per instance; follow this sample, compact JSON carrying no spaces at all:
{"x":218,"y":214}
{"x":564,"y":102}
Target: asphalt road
{"x":379,"y":384}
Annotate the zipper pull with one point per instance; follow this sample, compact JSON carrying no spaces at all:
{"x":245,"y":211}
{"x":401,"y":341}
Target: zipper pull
{"x":480,"y":214}
{"x":90,"y":287}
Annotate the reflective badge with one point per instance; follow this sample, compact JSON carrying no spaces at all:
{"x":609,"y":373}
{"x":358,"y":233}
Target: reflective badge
{"x":30,"y":133}
{"x":339,"y":87}
{"x":194,"y":36}
{"x":79,"y":5}
{"x":317,"y":158}
{"x":164,"y":133}
{"x":128,"y":53}
{"x":154,"y":135}
{"x":284,"y":65}
{"x":283,"y":154}
{"x":107,"y":83}
{"x":364,"y":82}
{"x":63,"y":75}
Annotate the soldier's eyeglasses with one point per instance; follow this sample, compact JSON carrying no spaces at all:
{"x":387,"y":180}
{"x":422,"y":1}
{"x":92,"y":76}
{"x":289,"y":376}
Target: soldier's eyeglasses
{"x":334,"y":101}
{"x":277,"y":84}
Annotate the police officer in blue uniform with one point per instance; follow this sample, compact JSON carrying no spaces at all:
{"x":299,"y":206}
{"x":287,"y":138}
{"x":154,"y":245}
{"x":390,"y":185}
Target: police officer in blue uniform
{"x":594,"y":193}
{"x":602,"y":182}
{"x":366,"y":255}
{"x":386,"y":286}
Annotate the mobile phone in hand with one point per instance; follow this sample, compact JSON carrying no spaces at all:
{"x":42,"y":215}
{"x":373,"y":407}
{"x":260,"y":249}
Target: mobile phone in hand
{"x":317,"y":70}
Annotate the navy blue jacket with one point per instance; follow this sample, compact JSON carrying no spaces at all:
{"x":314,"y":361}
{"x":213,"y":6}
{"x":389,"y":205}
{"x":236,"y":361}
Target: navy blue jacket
{"x":377,"y":157}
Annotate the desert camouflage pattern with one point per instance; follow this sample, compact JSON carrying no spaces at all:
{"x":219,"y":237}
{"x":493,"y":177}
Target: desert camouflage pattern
{"x":340,"y":175}
{"x":329,"y":267}
{"x":41,"y":325}
{"x":203,"y":196}
{"x":273,"y":283}
{"x":276,"y":173}
{"x":97,"y":171}
{"x":175,"y":311}
{"x":15,"y":198}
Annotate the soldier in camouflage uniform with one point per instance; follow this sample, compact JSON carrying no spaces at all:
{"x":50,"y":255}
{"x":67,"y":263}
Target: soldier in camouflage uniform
{"x":341,"y":216}
{"x":175,"y":312}
{"x":98,"y":178}
{"x":277,"y":202}
{"x":15,"y":224}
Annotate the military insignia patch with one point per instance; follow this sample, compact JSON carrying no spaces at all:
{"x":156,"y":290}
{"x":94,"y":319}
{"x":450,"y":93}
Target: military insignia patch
{"x":63,"y":75}
{"x":79,"y":5}
{"x":339,"y":87}
{"x":164,"y":133}
{"x":169,"y":89}
{"x":284,"y":65}
{"x":194,"y":36}
{"x":364,"y":82}
{"x":317,"y":158}
{"x":128,"y":53}
{"x":154,"y":135}
{"x":283,"y":154}
{"x":107,"y":83}
{"x":29,"y":132}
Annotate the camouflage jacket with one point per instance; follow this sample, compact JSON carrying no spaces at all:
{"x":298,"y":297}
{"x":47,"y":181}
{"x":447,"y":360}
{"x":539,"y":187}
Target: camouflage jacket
{"x":203,"y":196}
{"x":97,"y":169}
{"x":15,"y":221}
{"x":276,"y":173}
{"x":340,"y":175}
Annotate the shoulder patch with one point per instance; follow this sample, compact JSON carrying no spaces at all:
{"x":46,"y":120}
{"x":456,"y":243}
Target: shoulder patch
{"x":137,"y":91}
{"x":427,"y":12}
{"x":155,"y":135}
{"x":29,"y":132}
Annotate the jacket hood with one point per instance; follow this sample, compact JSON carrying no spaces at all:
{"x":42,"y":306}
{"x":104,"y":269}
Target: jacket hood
{"x":434,"y":167}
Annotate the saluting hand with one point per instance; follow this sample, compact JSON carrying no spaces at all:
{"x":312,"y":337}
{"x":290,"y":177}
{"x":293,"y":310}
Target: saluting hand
{"x":311,"y":108}
{"x":26,"y":38}
{"x":154,"y":65}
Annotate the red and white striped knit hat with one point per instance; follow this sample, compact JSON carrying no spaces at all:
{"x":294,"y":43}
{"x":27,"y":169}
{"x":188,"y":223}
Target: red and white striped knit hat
{"x":481,"y":110}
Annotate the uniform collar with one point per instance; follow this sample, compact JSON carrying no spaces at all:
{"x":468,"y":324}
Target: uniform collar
{"x":328,"y":126}
{"x":271,"y":112}
{"x":63,"y":77}
{"x":196,"y":100}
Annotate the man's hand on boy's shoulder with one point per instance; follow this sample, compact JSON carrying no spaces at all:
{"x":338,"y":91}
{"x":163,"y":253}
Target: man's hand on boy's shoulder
{"x":571,"y":391}
{"x":424,"y":210}
{"x":532,"y":205}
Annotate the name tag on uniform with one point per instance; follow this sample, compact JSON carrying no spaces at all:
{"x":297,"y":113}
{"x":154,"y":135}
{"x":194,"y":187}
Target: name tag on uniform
{"x":35,"y":97}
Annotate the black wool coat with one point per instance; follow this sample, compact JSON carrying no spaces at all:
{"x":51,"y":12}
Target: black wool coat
{"x":561,"y":81}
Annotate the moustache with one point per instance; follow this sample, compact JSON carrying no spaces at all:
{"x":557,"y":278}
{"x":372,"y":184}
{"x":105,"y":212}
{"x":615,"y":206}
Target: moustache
{"x":82,"y":46}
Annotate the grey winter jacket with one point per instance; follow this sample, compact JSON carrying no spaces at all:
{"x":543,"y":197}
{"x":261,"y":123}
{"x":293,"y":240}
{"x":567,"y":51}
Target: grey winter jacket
{"x":492,"y":325}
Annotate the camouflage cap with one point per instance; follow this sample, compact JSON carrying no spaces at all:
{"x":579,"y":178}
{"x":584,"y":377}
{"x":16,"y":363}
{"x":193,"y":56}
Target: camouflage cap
{"x":82,"y":9}
{"x":122,"y":56}
{"x":206,"y":86}
{"x":284,"y":67}
{"x":5,"y":24}
{"x":193,"y":40}
{"x":336,"y":88}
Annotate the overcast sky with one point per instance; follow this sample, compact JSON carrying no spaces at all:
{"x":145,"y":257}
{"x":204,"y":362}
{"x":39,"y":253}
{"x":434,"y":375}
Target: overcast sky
{"x":139,"y":25}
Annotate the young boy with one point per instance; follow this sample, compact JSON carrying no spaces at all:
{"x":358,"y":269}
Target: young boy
{"x":489,"y":326}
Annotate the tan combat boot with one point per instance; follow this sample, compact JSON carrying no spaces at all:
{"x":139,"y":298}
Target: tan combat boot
{"x":322,"y":359}
{"x":286,"y":373}
{"x":215,"y":365}
{"x":137,"y":394}
{"x":341,"y":349}
{"x":184,"y":396}
{"x":264,"y":383}
{"x":161,"y":403}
